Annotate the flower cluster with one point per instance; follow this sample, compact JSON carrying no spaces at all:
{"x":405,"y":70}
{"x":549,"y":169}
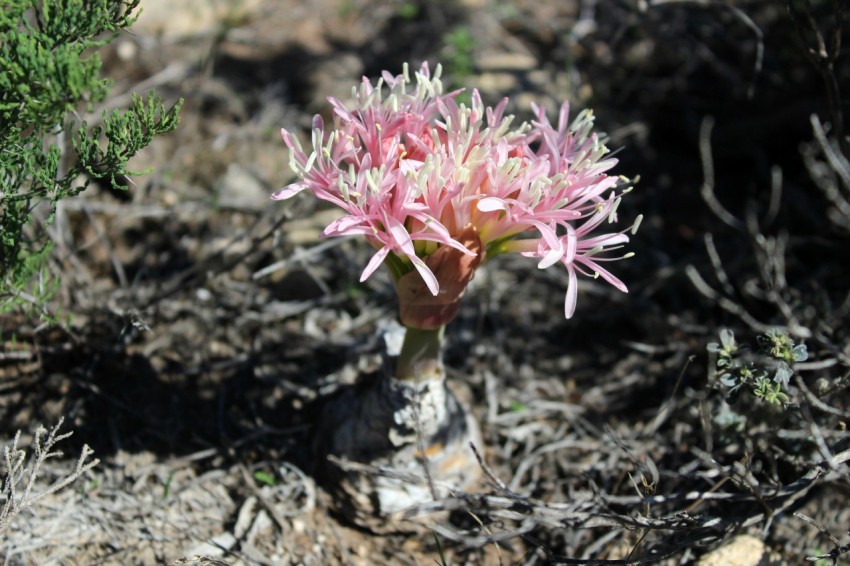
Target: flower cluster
{"x":438,"y":187}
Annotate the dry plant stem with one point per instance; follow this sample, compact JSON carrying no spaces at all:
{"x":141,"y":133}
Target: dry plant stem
{"x":838,"y":548}
{"x":14,"y":462}
{"x":758,"y":60}
{"x":826,"y":175}
{"x":707,"y":189}
{"x":769,"y":251}
{"x":823,"y":54}
{"x":506,"y":508}
{"x":724,"y":302}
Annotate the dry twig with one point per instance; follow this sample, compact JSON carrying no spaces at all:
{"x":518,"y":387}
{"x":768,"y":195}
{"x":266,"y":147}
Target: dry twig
{"x":17,"y":471}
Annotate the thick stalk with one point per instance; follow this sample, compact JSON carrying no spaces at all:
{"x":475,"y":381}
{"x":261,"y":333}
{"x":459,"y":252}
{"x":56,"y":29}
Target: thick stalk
{"x":421,"y":355}
{"x":410,"y":422}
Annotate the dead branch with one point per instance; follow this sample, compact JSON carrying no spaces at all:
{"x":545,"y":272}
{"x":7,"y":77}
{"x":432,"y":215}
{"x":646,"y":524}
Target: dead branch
{"x":15,"y":470}
{"x":505,"y":507}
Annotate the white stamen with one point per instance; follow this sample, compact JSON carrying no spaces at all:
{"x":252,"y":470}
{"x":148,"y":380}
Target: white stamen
{"x":635,"y":226}
{"x":612,"y":212}
{"x":309,"y":164}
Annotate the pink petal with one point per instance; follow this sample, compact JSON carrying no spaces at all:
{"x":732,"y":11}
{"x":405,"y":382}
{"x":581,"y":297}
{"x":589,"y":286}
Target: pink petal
{"x":491,"y":204}
{"x":572,"y":245}
{"x":605,"y":240}
{"x":552,"y":256}
{"x":563,"y":117}
{"x":289,"y":191}
{"x":288,"y":139}
{"x":374,"y":263}
{"x":400,"y":235}
{"x":427,"y":275}
{"x":345,"y":224}
{"x":547,"y":232}
{"x":448,"y":242}
{"x":604,"y":273}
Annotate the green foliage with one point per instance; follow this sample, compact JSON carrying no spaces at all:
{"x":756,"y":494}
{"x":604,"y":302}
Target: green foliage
{"x":440,"y":551}
{"x":166,"y":487}
{"x":459,"y":58}
{"x":517,"y":407}
{"x":265,"y":478}
{"x":765,"y":374}
{"x":408,"y":11}
{"x":49,"y":69}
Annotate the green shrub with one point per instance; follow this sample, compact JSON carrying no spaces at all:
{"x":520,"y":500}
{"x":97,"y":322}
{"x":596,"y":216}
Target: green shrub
{"x":50,"y":69}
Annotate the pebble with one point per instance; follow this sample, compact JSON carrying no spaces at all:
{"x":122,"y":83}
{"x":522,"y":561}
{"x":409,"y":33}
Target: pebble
{"x":515,"y":62}
{"x":743,"y":550}
{"x":497,"y":82}
{"x":215,"y":547}
{"x":240,"y":189}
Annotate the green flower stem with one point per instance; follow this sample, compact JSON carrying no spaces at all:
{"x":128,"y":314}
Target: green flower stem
{"x":421,"y":354}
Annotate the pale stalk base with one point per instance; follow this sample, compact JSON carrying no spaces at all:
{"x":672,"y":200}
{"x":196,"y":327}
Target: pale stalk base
{"x":414,"y":429}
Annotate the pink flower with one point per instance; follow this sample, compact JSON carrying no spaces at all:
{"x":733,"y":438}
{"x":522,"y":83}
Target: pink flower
{"x":428,"y":181}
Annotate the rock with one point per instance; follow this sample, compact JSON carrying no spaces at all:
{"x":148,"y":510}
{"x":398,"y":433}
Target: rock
{"x":506,"y":62}
{"x":334,"y":77}
{"x":215,"y":547}
{"x":175,"y":20}
{"x":497,"y":83}
{"x":308,"y":231}
{"x":240,"y":189}
{"x":743,"y":550}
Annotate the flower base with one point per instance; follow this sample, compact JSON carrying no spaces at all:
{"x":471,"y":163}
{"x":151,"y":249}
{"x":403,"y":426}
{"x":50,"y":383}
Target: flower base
{"x":413,"y":436}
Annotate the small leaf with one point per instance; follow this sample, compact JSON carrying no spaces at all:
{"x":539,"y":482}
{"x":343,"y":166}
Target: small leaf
{"x":783,"y":374}
{"x":265,"y":477}
{"x":800,"y":353}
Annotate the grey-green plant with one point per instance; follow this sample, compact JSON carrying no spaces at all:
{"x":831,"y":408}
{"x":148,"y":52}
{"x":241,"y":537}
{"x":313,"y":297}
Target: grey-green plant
{"x":49,"y":72}
{"x":765,"y":373}
{"x":729,"y":420}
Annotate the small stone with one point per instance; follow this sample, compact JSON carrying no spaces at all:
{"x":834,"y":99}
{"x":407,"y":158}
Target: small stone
{"x":127,"y":50}
{"x":187,"y":18}
{"x":523,"y":101}
{"x":501,"y":82}
{"x":507,"y":62}
{"x":334,"y":78}
{"x":743,"y":550}
{"x":538,"y":78}
{"x":307,"y":231}
{"x":240,"y":189}
{"x":215,"y":547}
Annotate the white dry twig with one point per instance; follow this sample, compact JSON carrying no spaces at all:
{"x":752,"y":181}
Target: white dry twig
{"x":17,"y":473}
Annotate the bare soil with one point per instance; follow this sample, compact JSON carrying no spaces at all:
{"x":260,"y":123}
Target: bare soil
{"x":206,"y":326}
